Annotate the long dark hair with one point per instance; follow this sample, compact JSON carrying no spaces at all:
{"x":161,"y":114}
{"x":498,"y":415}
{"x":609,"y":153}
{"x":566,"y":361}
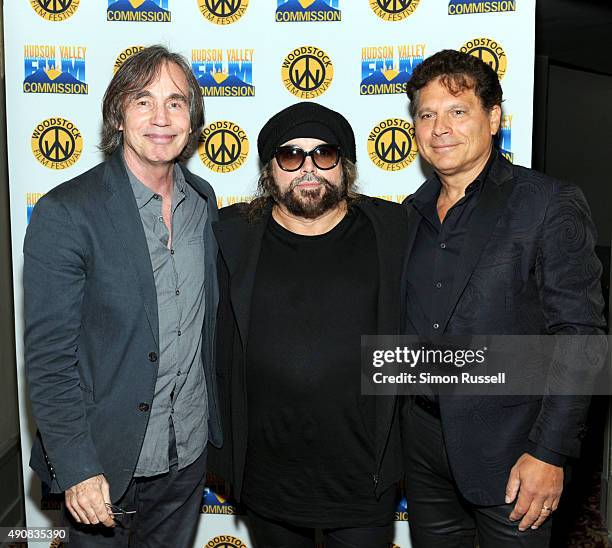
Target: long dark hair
{"x":134,"y":75}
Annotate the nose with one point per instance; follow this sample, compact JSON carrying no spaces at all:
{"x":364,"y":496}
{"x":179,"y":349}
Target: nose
{"x":441,"y":126}
{"x":308,"y":166}
{"x":160,"y":116}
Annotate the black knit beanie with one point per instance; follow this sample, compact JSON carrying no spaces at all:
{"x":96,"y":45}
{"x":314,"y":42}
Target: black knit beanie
{"x":306,"y":119}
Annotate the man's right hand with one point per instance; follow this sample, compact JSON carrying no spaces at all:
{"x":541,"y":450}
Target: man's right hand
{"x":87,"y":501}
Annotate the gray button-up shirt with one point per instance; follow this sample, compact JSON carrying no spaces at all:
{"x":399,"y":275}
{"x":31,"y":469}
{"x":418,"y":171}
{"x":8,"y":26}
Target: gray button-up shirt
{"x":180,"y":391}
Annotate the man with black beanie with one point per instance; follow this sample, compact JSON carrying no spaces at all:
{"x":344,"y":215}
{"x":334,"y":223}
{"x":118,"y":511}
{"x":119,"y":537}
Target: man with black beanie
{"x":306,"y":268}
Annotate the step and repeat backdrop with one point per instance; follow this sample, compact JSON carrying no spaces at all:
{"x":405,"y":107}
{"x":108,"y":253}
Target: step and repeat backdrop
{"x":251,"y":58}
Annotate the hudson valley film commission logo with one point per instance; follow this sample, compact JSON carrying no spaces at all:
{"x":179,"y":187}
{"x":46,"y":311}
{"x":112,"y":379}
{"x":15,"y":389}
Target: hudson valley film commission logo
{"x":387,"y":69}
{"x":490,"y":52}
{"x":224,"y":72}
{"x":394,"y":10}
{"x":55,"y":10}
{"x":468,"y":7}
{"x":223,"y":146}
{"x":307,"y":72}
{"x":391,"y":144}
{"x":225,"y":541}
{"x":47,"y":72}
{"x":57,"y":143}
{"x":145,"y":11}
{"x":223,"y":12}
{"x":289,"y":11}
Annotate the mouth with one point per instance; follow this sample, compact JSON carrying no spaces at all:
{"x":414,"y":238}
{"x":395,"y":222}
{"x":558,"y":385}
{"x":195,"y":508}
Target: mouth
{"x":444,"y":147}
{"x":159,"y":138}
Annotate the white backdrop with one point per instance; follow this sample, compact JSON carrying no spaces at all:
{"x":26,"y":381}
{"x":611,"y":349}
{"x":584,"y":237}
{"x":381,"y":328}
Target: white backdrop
{"x":252,"y":58}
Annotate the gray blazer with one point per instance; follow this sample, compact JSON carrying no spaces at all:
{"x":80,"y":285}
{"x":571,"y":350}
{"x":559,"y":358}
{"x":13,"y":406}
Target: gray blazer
{"x":91,"y":327}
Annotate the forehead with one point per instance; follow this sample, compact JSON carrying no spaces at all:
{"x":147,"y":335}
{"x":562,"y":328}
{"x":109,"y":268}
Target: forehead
{"x":171,"y":78}
{"x":304,"y":142}
{"x":436,"y":91}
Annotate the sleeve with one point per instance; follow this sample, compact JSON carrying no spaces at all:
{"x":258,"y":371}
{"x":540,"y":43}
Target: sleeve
{"x":54,"y":276}
{"x":568,"y":273}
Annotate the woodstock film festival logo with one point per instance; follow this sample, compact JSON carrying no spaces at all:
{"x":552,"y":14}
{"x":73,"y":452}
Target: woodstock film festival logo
{"x":393,"y":10}
{"x":225,"y":541}
{"x":125,"y":55}
{"x":57,"y":143}
{"x":489,"y":51}
{"x":223,"y":146}
{"x":55,"y":10}
{"x":469,"y":7}
{"x":307,"y":72}
{"x":391,"y":144}
{"x":145,"y":11}
{"x":224,"y":72}
{"x":223,"y":12}
{"x":387,"y":69}
{"x":289,"y":11}
{"x":54,"y":69}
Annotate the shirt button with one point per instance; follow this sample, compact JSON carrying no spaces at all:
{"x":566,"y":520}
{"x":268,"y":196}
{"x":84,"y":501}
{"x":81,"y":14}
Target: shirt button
{"x":172,"y":252}
{"x":439,"y":285}
{"x":160,"y":219}
{"x":179,"y":332}
{"x":178,"y":292}
{"x":144,"y":407}
{"x":436,"y":326}
{"x":152,"y":357}
{"x":178,"y":374}
{"x":443,"y":245}
{"x":156,"y":196}
{"x":172,"y":410}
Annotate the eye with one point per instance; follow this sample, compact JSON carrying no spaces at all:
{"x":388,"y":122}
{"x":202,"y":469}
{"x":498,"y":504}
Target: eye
{"x":427,"y":116}
{"x":458,"y":112}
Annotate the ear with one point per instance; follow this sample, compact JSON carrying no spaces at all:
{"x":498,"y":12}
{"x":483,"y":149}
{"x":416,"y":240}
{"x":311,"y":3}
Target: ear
{"x":495,"y":119}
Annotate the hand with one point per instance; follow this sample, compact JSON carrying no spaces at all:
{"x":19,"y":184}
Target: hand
{"x":87,"y":501}
{"x":538,"y":485}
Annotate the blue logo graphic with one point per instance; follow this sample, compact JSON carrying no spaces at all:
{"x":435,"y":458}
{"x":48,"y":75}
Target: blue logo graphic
{"x":290,"y":11}
{"x":224,"y":73}
{"x":215,"y":503}
{"x":505,"y":137}
{"x":387,"y":69}
{"x":47,"y":72}
{"x":146,"y":11}
{"x":469,"y":7}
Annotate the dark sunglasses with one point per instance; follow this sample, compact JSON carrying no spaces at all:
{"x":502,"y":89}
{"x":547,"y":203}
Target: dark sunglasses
{"x":292,"y":158}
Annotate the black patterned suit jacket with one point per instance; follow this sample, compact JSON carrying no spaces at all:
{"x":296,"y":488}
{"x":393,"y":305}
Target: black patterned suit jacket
{"x":527,"y":267}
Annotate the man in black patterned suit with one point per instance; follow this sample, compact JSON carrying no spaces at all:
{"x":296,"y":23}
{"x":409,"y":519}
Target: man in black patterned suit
{"x":495,"y":249}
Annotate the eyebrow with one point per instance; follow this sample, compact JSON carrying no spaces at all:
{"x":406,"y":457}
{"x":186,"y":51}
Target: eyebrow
{"x":454,"y":106}
{"x":145,"y":93}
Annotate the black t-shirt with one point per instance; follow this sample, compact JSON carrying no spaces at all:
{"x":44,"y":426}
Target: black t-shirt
{"x":310,"y":457}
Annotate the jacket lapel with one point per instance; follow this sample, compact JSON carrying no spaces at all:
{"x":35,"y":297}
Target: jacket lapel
{"x":491,"y":204}
{"x":124,"y":215}
{"x":240,"y":244}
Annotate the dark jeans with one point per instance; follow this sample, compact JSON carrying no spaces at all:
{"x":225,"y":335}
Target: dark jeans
{"x":268,"y":533}
{"x":438,"y":516}
{"x":167,"y":512}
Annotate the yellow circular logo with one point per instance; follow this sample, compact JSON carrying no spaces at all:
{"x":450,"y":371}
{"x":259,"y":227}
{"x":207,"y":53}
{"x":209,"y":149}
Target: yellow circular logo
{"x":125,"y":55}
{"x":223,"y":146}
{"x":223,"y":12}
{"x":391,"y":144}
{"x":394,"y":10}
{"x":57,"y":143}
{"x":490,"y":52}
{"x":307,"y":72}
{"x":225,"y":541}
{"x":55,"y":10}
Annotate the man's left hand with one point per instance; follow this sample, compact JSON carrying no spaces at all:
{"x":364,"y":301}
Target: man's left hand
{"x":538,"y":486}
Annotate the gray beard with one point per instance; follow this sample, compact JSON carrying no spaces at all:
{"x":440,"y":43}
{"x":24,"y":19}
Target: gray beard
{"x":309,"y":203}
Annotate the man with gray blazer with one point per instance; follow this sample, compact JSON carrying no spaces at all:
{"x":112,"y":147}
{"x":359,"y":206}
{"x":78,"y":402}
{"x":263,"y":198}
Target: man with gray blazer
{"x":121,"y":297}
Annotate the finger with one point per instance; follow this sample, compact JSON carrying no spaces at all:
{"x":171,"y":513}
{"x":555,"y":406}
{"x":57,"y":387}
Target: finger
{"x":522,"y":505}
{"x":555,"y":503}
{"x":545,"y":513}
{"x":105,"y":489}
{"x":71,"y":509}
{"x":76,"y":506}
{"x":532,"y":514}
{"x":87,"y":505}
{"x":513,"y":486}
